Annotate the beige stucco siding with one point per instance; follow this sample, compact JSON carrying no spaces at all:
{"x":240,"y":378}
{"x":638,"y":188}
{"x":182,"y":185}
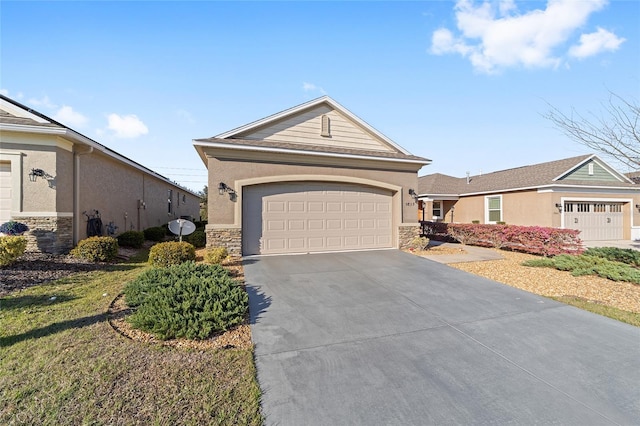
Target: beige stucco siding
{"x":223,"y":211}
{"x":36,"y":152}
{"x":305,"y":129}
{"x":63,"y":180}
{"x":114,"y":188}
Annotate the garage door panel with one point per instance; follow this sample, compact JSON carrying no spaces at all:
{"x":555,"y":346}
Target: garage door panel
{"x":300,"y":217}
{"x":595,"y":221}
{"x":6,"y":193}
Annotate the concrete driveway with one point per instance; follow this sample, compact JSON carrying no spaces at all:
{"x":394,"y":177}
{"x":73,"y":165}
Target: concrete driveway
{"x":388,"y":338}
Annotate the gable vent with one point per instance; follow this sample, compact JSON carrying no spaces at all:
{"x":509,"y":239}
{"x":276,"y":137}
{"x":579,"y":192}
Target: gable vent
{"x":326,"y":126}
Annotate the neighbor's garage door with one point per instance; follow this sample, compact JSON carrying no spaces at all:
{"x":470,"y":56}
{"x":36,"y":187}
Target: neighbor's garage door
{"x":5,"y":192}
{"x":596,"y":221}
{"x":314,"y":217}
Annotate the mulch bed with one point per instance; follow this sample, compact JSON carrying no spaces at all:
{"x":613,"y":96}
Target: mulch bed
{"x":39,"y":268}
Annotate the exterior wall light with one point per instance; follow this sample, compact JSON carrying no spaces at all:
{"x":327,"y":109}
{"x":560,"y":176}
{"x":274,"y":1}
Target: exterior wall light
{"x":223,"y":187}
{"x":36,"y":173}
{"x":559,"y":207}
{"x":413,"y":194}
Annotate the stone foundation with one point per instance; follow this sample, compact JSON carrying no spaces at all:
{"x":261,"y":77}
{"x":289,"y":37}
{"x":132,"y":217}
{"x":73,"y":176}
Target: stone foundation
{"x":231,"y":238}
{"x":48,"y":234}
{"x":406,"y":233}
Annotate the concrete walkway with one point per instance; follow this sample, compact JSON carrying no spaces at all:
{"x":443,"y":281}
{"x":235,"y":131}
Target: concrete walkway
{"x":625,"y":244}
{"x":389,"y":338}
{"x":472,"y":254}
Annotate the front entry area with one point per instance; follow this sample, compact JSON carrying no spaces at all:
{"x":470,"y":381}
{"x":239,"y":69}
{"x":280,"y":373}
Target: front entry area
{"x":303,"y":217}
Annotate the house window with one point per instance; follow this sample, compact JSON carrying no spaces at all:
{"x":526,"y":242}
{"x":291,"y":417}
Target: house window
{"x":436,"y":210}
{"x":494,"y":209}
{"x":590,"y":169}
{"x":169,"y":197}
{"x":184,"y":199}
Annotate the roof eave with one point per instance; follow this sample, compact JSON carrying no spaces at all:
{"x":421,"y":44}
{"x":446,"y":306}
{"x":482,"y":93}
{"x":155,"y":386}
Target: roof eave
{"x":200,"y":145}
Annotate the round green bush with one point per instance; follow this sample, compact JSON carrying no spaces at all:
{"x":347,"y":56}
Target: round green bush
{"x":188,"y":300}
{"x":171,"y":253}
{"x":198,"y":238}
{"x":11,"y":248}
{"x":96,"y":249}
{"x":133,"y":239}
{"x":216,"y":255}
{"x":156,"y":233}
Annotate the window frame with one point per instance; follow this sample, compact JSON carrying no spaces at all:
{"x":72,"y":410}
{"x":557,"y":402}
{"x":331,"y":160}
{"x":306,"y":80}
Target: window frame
{"x":487,"y":211}
{"x":433,"y":209}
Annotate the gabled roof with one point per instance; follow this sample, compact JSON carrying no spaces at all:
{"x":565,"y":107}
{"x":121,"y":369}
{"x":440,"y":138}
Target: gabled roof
{"x":17,"y":117}
{"x":553,"y":173}
{"x":305,"y":106}
{"x":244,"y":137}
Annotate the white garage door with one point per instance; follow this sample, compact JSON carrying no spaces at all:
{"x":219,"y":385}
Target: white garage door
{"x":306,"y":217}
{"x":5,"y":192}
{"x":595,"y":221}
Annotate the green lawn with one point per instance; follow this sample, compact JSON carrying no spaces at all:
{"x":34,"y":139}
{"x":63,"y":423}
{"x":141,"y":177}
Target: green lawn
{"x":62,"y":363}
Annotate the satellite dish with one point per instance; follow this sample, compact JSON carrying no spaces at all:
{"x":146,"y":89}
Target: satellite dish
{"x":181,"y":227}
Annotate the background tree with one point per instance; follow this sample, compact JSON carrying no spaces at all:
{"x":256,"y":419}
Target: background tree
{"x":615,"y":132}
{"x":204,"y":200}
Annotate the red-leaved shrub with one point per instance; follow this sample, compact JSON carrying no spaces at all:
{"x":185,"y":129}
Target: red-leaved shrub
{"x":528,"y":239}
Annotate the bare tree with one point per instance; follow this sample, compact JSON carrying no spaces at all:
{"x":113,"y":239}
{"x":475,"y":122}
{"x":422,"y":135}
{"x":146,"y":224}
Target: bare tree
{"x":615,"y":134}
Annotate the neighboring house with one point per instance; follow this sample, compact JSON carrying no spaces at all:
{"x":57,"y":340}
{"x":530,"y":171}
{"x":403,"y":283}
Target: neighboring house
{"x":581,"y":193}
{"x":634,"y":176}
{"x":52,"y":177}
{"x":311,"y":178}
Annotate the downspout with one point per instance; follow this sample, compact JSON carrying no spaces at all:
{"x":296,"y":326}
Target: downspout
{"x":76,"y":193}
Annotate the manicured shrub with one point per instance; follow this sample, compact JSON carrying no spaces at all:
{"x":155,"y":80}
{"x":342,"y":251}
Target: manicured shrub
{"x":133,"y":239}
{"x":13,"y":228}
{"x":11,"y":248}
{"x":628,"y":256}
{"x":198,"y":238}
{"x":187,"y":300}
{"x":156,"y":233}
{"x":171,"y":253}
{"x":216,"y":255}
{"x":96,"y":249}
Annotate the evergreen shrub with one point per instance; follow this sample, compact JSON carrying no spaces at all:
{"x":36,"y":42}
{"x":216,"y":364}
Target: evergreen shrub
{"x":11,"y":248}
{"x":156,"y":233}
{"x":133,"y":239}
{"x":198,"y":238}
{"x":216,"y":255}
{"x":189,"y":300}
{"x":171,"y":253}
{"x":96,"y":249}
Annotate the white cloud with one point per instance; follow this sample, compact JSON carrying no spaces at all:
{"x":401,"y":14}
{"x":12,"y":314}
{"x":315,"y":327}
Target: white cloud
{"x":497,"y":37}
{"x":66,"y":115}
{"x":127,"y":126}
{"x":42,"y":102}
{"x":4,"y":92}
{"x":310,"y":87}
{"x":594,"y":43}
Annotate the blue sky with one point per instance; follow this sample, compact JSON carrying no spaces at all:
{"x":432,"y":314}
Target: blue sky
{"x":462,"y":83}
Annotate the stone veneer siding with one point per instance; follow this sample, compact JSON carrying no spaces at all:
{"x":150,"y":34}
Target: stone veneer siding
{"x":48,"y":234}
{"x":406,"y":233}
{"x":231,"y":238}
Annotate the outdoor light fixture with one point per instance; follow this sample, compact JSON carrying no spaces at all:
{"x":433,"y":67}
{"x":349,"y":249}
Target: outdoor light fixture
{"x":559,"y":207}
{"x":638,"y":206}
{"x":35,"y":174}
{"x":413,"y":193}
{"x":223,"y":187}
